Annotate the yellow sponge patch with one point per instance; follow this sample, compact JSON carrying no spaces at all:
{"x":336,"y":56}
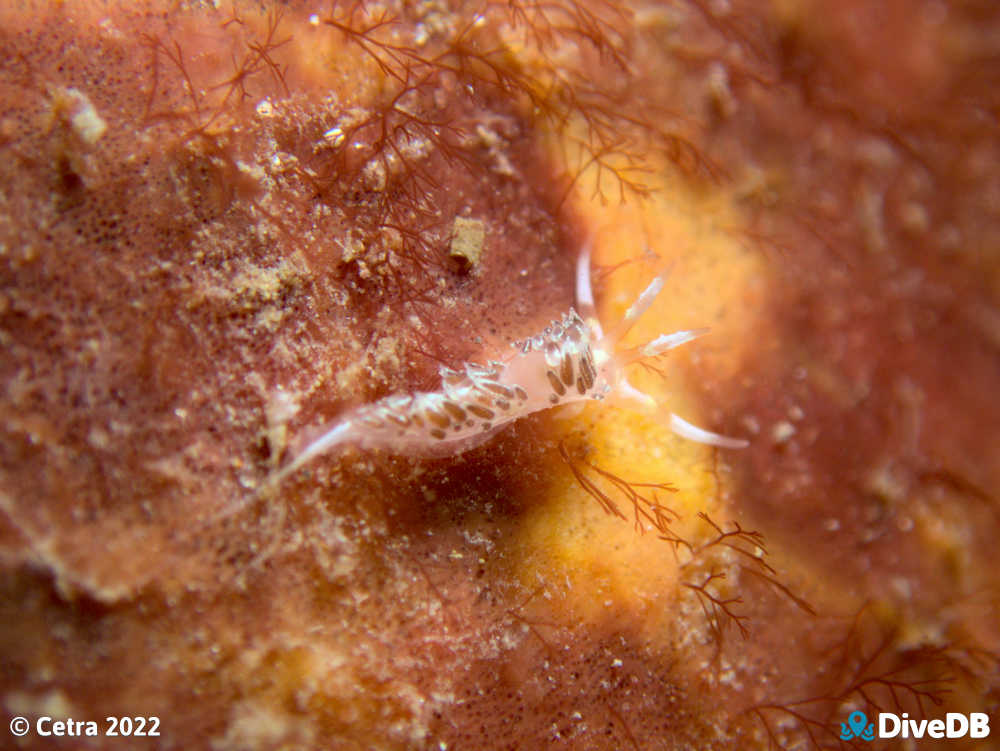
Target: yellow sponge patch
{"x":595,"y":532}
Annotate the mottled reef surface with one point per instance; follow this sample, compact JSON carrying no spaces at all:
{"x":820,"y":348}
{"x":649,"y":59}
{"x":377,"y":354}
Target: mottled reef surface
{"x":224,"y":224}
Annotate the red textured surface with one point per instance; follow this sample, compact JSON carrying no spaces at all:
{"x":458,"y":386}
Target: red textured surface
{"x":169,"y":287}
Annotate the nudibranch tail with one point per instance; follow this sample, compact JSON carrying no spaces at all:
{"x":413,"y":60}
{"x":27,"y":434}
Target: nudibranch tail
{"x":339,"y":433}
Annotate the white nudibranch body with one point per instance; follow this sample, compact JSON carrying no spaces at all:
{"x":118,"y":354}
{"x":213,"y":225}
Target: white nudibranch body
{"x":571,"y":360}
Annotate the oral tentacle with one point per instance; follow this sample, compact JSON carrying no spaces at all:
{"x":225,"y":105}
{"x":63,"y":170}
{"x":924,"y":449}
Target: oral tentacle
{"x":684,"y":429}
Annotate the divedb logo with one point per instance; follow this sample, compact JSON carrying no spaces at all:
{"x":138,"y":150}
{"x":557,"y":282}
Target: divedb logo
{"x":954,"y":725}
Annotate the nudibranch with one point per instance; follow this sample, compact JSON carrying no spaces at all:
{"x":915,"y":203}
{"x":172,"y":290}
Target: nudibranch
{"x":571,"y":360}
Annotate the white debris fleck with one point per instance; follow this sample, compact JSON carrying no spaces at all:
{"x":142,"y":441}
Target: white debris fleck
{"x":334,"y":136}
{"x":87,"y":124}
{"x":902,"y":586}
{"x":468,"y":236}
{"x":720,"y":94}
{"x":782,"y":431}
